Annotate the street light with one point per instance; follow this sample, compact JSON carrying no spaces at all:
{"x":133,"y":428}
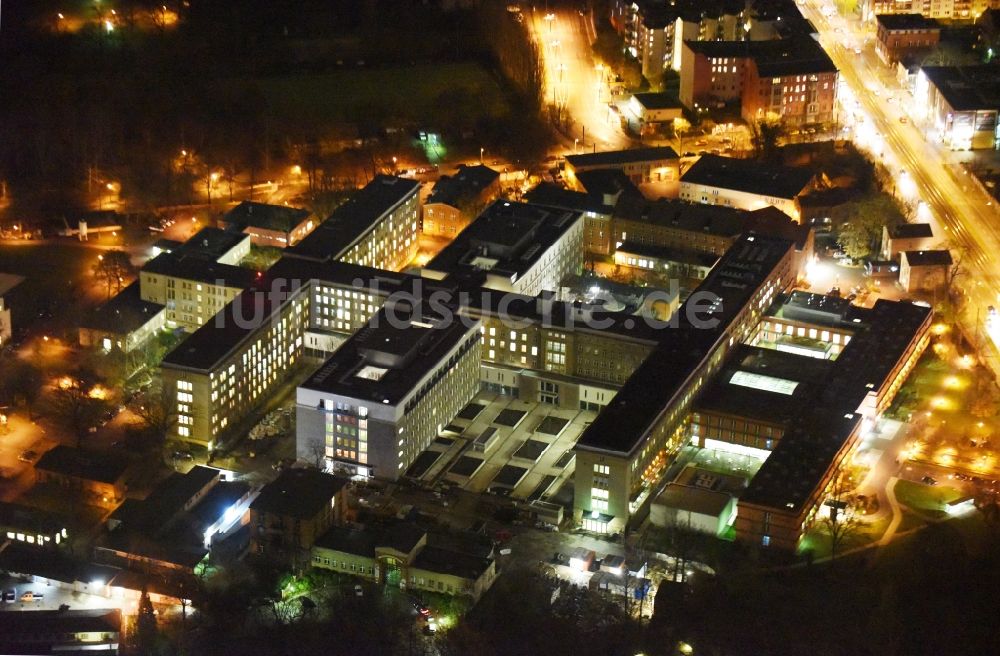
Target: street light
{"x":481,"y":151}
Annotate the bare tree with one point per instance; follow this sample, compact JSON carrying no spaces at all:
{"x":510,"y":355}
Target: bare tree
{"x":841,"y":522}
{"x":317,"y":451}
{"x":113,"y":268}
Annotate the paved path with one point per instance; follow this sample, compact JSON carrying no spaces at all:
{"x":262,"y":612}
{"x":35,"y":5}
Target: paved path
{"x":897,"y":514}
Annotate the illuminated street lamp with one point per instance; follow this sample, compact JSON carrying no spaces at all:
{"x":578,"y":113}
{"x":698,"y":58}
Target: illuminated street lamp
{"x":481,"y":152}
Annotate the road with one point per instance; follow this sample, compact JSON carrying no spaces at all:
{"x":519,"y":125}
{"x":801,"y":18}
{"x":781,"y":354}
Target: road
{"x":925,"y":173}
{"x":573,"y":79}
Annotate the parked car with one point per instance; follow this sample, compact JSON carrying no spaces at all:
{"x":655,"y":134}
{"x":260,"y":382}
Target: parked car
{"x":31,"y":596}
{"x":928,"y":480}
{"x":28,"y":456}
{"x":358,"y":591}
{"x":9,"y":595}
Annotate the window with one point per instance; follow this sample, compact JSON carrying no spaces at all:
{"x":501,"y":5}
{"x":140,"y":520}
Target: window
{"x":602,"y":469}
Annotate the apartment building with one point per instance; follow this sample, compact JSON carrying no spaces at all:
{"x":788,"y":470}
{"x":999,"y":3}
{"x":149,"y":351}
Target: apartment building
{"x":791,"y":79}
{"x":625,"y":450}
{"x":386,"y":393}
{"x":900,"y":35}
{"x":276,"y":226}
{"x":654,"y":30}
{"x":377,"y":227}
{"x":746,"y":184}
{"x":457,"y":199}
{"x":515,"y":247}
{"x":652,"y":164}
{"x":961,"y":103}
{"x":906,"y":237}
{"x":945,"y":9}
{"x":928,"y":271}
{"x":292,"y":511}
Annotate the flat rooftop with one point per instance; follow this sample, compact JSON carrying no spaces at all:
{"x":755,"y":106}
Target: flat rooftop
{"x":749,"y":176}
{"x":789,"y":476}
{"x":386,"y":360}
{"x":649,"y":392}
{"x":694,"y":499}
{"x":966,"y":88}
{"x":507,"y":239}
{"x":9,"y":281}
{"x":764,"y":384}
{"x":616,"y":158}
{"x":123,"y":313}
{"x":350,"y":222}
{"x":298,"y":493}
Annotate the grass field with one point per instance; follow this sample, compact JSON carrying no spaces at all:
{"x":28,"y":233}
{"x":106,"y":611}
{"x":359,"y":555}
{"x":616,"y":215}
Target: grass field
{"x":401,"y":92}
{"x":925,"y":499}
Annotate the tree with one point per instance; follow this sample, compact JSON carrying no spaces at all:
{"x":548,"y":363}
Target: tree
{"x":317,"y":451}
{"x":764,"y":135}
{"x":841,"y":522}
{"x":76,"y":407}
{"x":113,"y":268}
{"x":147,"y":634}
{"x":21,"y":383}
{"x":681,"y":127}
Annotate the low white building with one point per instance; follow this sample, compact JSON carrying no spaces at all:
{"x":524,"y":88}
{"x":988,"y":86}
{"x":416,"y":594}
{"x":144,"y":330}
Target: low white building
{"x":695,"y":508}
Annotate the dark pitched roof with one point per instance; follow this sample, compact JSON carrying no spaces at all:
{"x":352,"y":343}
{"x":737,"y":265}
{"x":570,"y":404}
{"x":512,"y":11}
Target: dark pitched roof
{"x":928,"y":258}
{"x":355,"y":218}
{"x":466,"y":185}
{"x":552,"y":195}
{"x":610,"y":182}
{"x":748,"y":176}
{"x":658,"y":100}
{"x":262,"y":215}
{"x":621,"y":157}
{"x":179,"y":264}
{"x":298,"y":493}
{"x":27,"y":626}
{"x":124,"y":313}
{"x":104,"y":467}
{"x":911,"y":231}
{"x":906,"y":22}
{"x":210,"y":243}
{"x":797,"y":55}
